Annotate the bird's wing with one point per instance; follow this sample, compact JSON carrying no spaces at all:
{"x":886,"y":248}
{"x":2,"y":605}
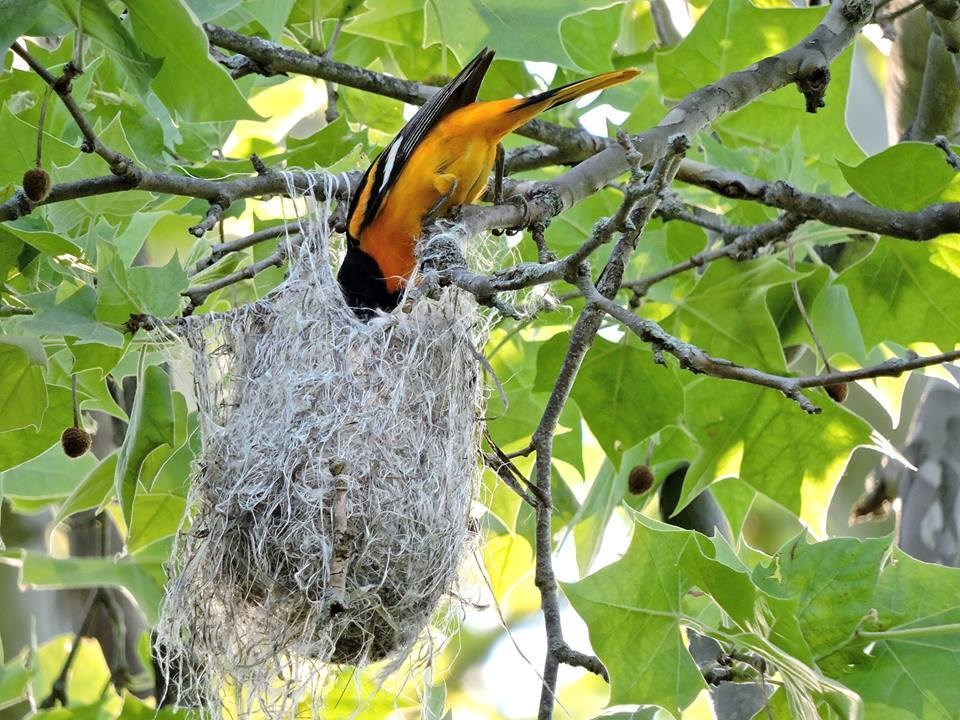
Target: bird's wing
{"x":377,"y":180}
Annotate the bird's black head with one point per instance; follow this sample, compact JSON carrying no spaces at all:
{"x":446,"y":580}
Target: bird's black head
{"x":363,"y":286}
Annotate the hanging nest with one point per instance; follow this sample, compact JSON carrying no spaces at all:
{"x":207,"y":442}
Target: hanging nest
{"x":329,"y":504}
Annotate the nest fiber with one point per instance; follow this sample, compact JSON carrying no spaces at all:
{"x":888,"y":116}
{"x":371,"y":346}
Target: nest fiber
{"x":329,"y":504}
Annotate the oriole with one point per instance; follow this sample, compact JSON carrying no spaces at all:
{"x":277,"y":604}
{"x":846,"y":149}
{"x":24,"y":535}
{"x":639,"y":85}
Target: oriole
{"x":440,"y":159}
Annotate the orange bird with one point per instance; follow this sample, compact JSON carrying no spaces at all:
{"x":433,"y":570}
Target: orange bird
{"x":440,"y":159}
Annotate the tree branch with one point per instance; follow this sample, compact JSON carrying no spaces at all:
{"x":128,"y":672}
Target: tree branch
{"x":275,"y":58}
{"x":851,"y":211}
{"x":745,"y":246}
{"x":339,"y":184}
{"x":696,"y":360}
{"x":938,"y":112}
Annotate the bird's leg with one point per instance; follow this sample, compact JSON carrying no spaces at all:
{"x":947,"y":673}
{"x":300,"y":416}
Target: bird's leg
{"x":446,"y":185}
{"x":498,"y":168}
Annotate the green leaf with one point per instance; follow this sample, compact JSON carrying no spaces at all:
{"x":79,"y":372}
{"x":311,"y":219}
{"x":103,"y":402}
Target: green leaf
{"x":49,"y":476}
{"x":155,"y":516}
{"x":912,"y":677}
{"x":136,"y":709}
{"x":14,"y":679}
{"x":104,"y":205}
{"x":378,"y":112}
{"x":906,"y":176}
{"x":20,"y":148}
{"x":323,"y":148}
{"x":768,"y":442}
{"x":23,"y":391}
{"x":190,"y":82}
{"x":143,"y":581}
{"x":727,"y":313}
{"x":93,"y":491}
{"x":834,"y":582}
{"x":44,"y":241}
{"x":836,"y":323}
{"x":16,"y":17}
{"x":624,"y":395}
{"x":92,"y":390}
{"x":589,"y":37}
{"x":905,"y":292}
{"x":508,"y":560}
{"x":18,"y":446}
{"x":122,"y":291}
{"x":632,"y":609}
{"x":96,"y":19}
{"x":514,"y":362}
{"x":94,"y":356}
{"x":636,"y":607}
{"x":174,"y":475}
{"x":465,"y":26}
{"x":69,"y":311}
{"x":151,"y":425}
{"x":270,"y":14}
{"x":590,"y":523}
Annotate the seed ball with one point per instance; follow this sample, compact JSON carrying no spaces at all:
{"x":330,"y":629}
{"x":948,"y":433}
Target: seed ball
{"x":75,"y":441}
{"x":640,"y":480}
{"x":837,"y":391}
{"x":36,"y":184}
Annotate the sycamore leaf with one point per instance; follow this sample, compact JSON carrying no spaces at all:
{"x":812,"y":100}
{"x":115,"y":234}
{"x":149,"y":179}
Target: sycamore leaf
{"x":190,"y":83}
{"x":23,"y":391}
{"x":151,"y":425}
{"x":768,"y":442}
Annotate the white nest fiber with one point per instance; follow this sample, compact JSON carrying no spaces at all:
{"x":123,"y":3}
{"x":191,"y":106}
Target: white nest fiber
{"x":329,"y":505}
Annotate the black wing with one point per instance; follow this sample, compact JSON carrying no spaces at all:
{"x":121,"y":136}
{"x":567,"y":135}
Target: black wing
{"x":457,"y":93}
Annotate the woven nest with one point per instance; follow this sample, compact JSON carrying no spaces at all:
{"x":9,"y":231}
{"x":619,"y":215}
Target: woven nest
{"x":329,"y":504}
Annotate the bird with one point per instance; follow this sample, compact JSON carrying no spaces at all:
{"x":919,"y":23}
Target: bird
{"x":440,"y":159}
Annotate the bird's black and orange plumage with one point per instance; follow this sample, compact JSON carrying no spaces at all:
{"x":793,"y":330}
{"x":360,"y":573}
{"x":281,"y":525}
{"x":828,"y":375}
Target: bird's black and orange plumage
{"x":440,"y":159}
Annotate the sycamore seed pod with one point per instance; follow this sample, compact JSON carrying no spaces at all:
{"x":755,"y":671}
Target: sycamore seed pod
{"x":640,"y":480}
{"x":837,"y":391}
{"x":36,"y":184}
{"x":75,"y":441}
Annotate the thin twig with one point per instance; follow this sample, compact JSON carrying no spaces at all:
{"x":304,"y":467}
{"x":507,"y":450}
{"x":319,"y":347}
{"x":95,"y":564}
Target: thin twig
{"x":851,"y":212}
{"x":894,"y":14}
{"x":199,"y":294}
{"x":331,"y":113}
{"x":953,"y":160}
{"x":214,"y":215}
{"x":696,"y":360}
{"x":220,"y":250}
{"x":58,"y":691}
{"x":743,"y":248}
{"x":11,"y":310}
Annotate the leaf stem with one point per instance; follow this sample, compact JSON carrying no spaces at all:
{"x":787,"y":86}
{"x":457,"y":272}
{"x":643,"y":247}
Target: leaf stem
{"x":73,"y":396}
{"x":40,"y":123}
{"x":913,"y":632}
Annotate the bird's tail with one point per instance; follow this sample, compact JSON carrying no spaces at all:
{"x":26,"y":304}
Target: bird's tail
{"x":508,"y":115}
{"x":565,"y":93}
